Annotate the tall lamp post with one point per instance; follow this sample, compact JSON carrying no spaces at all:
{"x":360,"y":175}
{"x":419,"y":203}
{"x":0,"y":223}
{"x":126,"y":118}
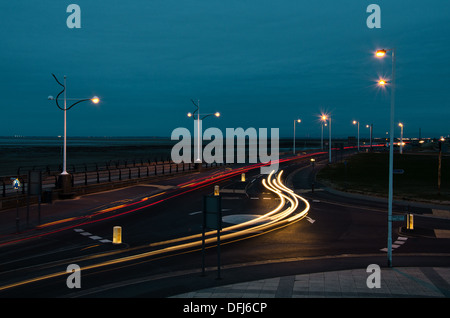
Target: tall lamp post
{"x":65,"y":177}
{"x":325,"y":118}
{"x":380,"y":54}
{"x":401,"y":138}
{"x":295,"y":121}
{"x":217,"y":114}
{"x":370,"y":134}
{"x":354,"y":123}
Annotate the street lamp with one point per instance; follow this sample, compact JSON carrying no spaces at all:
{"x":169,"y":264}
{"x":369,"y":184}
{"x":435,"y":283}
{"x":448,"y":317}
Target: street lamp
{"x":370,"y":134}
{"x":354,"y":123}
{"x":217,"y":114}
{"x":401,"y":138}
{"x":380,"y":54}
{"x":324,"y":119}
{"x":94,"y":99}
{"x":298,"y":121}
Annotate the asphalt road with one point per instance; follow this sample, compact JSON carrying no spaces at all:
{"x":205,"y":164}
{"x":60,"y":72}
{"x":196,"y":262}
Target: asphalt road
{"x":338,"y":233}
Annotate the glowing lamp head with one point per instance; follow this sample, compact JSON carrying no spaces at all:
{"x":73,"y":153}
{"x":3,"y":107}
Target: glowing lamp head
{"x":382,"y":82}
{"x":324,"y":117}
{"x":217,"y":114}
{"x":299,"y":120}
{"x":400,"y":124}
{"x":380,"y":53}
{"x":95,"y":100}
{"x":189,"y":114}
{"x":354,"y":122}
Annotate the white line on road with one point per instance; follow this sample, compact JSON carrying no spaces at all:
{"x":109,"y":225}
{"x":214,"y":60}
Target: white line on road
{"x":399,"y":242}
{"x":310,"y":220}
{"x":93,"y":237}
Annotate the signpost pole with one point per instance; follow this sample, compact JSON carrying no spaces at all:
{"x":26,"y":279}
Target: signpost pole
{"x":203,"y":240}
{"x":212,"y":219}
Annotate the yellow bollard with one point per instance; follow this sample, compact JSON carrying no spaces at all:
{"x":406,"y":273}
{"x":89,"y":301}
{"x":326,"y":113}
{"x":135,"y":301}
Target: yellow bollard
{"x":117,"y":235}
{"x":216,"y":190}
{"x":410,"y":221}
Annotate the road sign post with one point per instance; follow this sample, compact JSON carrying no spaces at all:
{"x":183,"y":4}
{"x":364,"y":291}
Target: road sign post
{"x":212,"y":219}
{"x":16,"y":186}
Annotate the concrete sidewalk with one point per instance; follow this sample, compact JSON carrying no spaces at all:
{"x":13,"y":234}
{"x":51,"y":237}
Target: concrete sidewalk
{"x":402,"y":282}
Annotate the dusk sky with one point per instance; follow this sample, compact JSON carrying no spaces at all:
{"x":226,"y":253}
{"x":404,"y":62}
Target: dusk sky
{"x":259,"y":63}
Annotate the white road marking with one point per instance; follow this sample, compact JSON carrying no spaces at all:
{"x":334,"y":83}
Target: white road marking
{"x":93,"y":237}
{"x":310,"y":220}
{"x":399,"y":242}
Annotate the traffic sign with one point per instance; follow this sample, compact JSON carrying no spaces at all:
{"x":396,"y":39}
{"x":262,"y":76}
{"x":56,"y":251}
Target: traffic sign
{"x":398,"y":218}
{"x":16,"y":184}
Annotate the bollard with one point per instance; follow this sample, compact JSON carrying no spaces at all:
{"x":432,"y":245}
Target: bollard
{"x":216,"y":190}
{"x":410,"y":221}
{"x":117,"y":235}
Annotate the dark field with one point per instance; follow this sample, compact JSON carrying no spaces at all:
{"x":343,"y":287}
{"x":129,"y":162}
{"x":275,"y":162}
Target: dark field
{"x":369,"y":173}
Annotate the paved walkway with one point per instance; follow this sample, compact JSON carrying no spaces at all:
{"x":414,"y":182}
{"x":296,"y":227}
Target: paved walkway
{"x":394,"y":283}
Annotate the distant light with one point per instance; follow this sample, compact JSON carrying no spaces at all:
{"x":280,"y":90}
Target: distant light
{"x":421,"y":141}
{"x":324,"y":117}
{"x":354,"y":122}
{"x":400,"y":124}
{"x":95,"y":100}
{"x":380,"y":53}
{"x":299,"y":121}
{"x":217,"y":114}
{"x":189,"y":114}
{"x":382,"y":82}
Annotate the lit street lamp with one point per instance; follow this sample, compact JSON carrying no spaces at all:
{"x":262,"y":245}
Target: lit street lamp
{"x":380,"y":54}
{"x":217,"y":114}
{"x":298,"y":121}
{"x":354,"y":123}
{"x":401,"y":138}
{"x":94,"y":99}
{"x":325,"y":118}
{"x":370,"y":134}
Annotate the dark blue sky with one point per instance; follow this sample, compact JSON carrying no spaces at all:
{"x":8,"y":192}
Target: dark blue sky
{"x":260,"y":63}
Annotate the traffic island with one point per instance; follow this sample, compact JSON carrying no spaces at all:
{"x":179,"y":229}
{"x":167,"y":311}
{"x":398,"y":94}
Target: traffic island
{"x":417,"y":232}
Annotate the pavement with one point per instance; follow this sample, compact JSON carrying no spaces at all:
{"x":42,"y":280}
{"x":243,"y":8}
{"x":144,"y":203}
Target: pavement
{"x":354,"y":283}
{"x":401,"y":282}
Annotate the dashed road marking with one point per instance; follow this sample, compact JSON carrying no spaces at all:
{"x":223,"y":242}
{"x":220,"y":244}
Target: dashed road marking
{"x":92,"y":237}
{"x":399,"y":242}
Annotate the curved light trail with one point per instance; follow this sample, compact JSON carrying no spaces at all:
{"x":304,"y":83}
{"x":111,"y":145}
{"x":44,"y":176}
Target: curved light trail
{"x":284,"y":214}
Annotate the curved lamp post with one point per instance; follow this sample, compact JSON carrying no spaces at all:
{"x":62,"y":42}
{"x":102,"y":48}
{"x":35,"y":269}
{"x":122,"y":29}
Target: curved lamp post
{"x":94,"y":99}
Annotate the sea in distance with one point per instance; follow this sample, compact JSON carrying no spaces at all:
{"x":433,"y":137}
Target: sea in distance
{"x":18,"y":154}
